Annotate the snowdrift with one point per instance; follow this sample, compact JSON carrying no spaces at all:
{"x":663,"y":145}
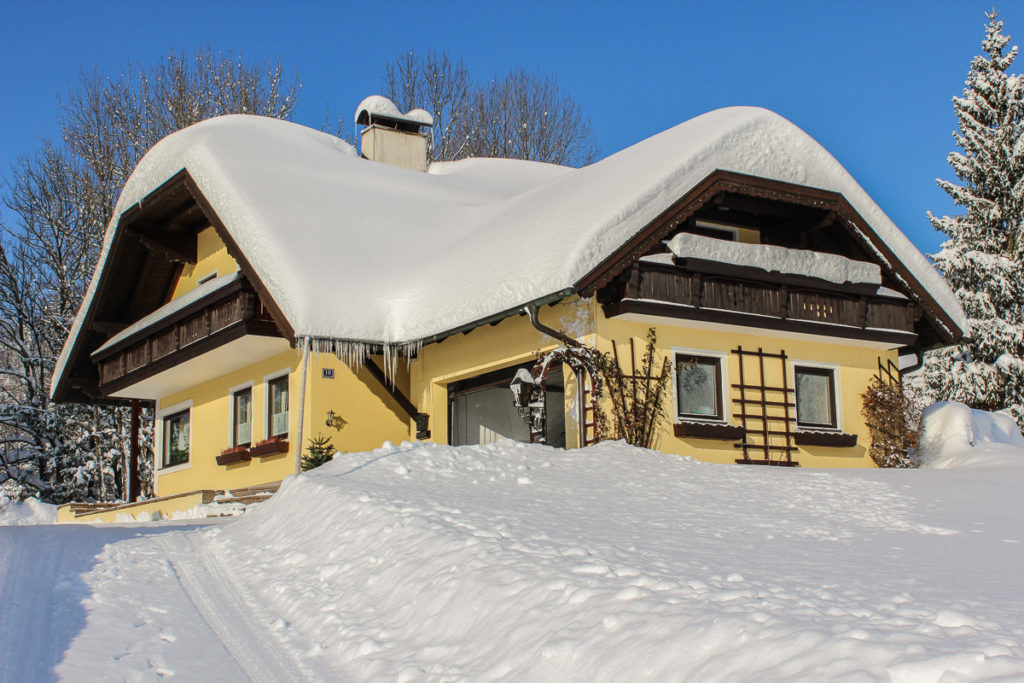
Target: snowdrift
{"x":520,"y":562}
{"x":26,"y":512}
{"x":954,"y":435}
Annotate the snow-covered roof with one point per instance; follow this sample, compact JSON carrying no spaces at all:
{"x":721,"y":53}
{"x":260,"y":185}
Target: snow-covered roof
{"x":361,"y":251}
{"x":770,"y":258}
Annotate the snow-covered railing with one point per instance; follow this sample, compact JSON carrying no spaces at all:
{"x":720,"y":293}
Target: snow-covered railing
{"x":184,"y":332}
{"x":737,"y":294}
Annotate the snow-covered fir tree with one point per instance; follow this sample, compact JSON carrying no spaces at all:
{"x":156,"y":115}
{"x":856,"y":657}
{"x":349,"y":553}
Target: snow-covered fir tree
{"x":983,"y":259}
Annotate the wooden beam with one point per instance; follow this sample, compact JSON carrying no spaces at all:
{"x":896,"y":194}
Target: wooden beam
{"x":404,"y":403}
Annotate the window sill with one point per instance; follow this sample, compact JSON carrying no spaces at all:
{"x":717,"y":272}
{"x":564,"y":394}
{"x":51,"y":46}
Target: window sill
{"x":833,"y":439}
{"x":722,"y":431}
{"x":177,"y":467}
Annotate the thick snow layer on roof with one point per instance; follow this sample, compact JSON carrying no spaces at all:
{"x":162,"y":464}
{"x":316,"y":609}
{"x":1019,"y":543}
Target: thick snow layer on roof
{"x":362,"y":251}
{"x":829,"y":267}
{"x":170,"y":308}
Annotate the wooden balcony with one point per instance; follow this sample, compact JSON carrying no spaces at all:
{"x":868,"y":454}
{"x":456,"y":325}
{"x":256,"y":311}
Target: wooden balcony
{"x":736,"y":295}
{"x":220,"y":317}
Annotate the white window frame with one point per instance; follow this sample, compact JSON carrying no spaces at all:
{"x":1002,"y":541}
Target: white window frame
{"x":206,"y":278}
{"x":723,"y":363}
{"x":231,"y":412}
{"x":267,"y":379}
{"x":158,"y":435}
{"x":711,"y":225}
{"x":836,"y":389}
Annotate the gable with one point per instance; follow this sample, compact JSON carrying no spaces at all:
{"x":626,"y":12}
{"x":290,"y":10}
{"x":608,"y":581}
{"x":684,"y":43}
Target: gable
{"x":212,"y":260}
{"x":784,"y":215}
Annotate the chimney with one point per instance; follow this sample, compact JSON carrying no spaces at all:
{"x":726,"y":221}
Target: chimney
{"x":392,"y":137}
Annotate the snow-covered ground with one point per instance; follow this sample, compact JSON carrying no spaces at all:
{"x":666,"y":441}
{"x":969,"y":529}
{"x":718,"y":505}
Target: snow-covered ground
{"x":518,"y":562}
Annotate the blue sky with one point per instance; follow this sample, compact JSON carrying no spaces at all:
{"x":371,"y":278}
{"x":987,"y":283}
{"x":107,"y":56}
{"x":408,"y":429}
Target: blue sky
{"x":871,"y":81}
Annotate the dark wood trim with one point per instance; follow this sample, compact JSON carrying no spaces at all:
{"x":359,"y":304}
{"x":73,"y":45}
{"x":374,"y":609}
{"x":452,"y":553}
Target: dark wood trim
{"x":728,"y":181}
{"x":769,"y":463}
{"x":260,"y":328}
{"x":280,"y":379}
{"x":667,"y":310}
{"x":243,"y":263}
{"x":211,"y":299}
{"x":830,"y":375}
{"x":404,"y":403}
{"x":716,"y":361}
{"x":722,"y":431}
{"x":823,"y":438}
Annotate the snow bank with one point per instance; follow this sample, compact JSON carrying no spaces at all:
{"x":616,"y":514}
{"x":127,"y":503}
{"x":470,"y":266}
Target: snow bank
{"x":312,"y":217}
{"x":829,"y":267}
{"x":26,"y":512}
{"x":954,"y":435}
{"x":519,"y":562}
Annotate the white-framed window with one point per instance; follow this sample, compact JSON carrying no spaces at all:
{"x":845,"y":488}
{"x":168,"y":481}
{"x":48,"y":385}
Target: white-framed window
{"x":241,"y":416}
{"x":717,"y":230}
{"x":174,"y":427}
{"x":700,"y":385}
{"x":817,"y":395}
{"x":278,"y":400}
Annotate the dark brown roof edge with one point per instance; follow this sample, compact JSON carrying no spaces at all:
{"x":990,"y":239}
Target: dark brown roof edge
{"x":729,"y":181}
{"x":243,"y":263}
{"x":60,"y":392}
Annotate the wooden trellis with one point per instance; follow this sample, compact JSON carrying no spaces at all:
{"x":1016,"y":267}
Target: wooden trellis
{"x":767,"y":412}
{"x":889,"y":372}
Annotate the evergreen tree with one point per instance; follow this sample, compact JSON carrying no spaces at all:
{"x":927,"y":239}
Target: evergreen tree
{"x":982,"y":259}
{"x":319,"y":452}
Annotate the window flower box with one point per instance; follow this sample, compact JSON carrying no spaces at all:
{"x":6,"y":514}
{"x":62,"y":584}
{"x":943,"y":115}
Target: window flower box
{"x":824,"y":438}
{"x":709,"y":430}
{"x":271,"y":446}
{"x":232,"y":455}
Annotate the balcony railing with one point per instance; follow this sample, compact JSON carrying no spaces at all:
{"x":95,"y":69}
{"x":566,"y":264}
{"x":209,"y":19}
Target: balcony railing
{"x":736,"y":295}
{"x":221,"y":317}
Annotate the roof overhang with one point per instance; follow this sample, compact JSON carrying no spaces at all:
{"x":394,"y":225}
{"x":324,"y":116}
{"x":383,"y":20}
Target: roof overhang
{"x":721,"y":181}
{"x":147,"y":239}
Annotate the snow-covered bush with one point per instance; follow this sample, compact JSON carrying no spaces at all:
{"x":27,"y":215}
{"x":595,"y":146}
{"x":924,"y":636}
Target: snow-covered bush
{"x":892,"y":415}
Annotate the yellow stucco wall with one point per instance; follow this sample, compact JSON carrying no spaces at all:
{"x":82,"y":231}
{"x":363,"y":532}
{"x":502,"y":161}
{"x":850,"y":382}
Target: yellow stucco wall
{"x":370,"y":414}
{"x":515,"y":341}
{"x":855,"y":364}
{"x":212,"y":258}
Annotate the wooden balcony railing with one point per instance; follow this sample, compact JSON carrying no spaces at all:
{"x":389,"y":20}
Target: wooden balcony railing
{"x":220,"y":317}
{"x":744,"y":296}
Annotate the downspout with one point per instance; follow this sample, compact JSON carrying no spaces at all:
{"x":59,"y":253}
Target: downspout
{"x":302,"y":405}
{"x":531,"y":311}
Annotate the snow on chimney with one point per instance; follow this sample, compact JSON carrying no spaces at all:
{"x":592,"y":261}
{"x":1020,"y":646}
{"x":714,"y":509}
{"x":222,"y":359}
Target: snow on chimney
{"x":392,"y":137}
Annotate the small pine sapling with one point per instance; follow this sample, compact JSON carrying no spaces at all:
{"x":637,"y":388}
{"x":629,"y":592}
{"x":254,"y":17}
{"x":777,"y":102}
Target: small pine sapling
{"x":319,"y":452}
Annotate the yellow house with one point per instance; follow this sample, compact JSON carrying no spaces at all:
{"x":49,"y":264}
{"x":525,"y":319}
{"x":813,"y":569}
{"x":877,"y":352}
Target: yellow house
{"x":262,"y":282}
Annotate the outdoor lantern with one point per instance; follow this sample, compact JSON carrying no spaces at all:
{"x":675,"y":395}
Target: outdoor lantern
{"x":522,"y":386}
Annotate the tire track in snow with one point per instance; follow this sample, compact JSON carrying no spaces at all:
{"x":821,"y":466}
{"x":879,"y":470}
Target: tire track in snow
{"x":29,"y":574}
{"x":235,"y":620}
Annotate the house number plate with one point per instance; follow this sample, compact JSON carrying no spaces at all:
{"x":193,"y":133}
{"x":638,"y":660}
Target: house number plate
{"x":328,"y":373}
